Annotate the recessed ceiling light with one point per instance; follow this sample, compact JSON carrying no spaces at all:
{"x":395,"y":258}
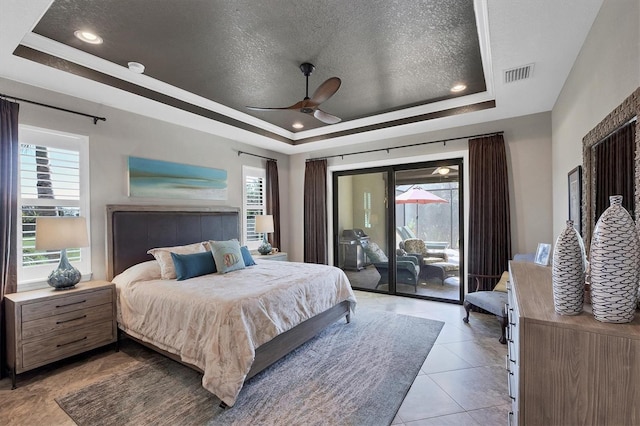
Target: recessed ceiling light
{"x":297,"y":125}
{"x":458,"y":88}
{"x":88,"y":37}
{"x":136,"y":67}
{"x":443,"y":170}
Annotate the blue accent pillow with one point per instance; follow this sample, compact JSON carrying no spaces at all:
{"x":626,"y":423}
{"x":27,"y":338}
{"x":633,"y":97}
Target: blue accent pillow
{"x":246,"y":255}
{"x":193,"y":265}
{"x":227,"y":255}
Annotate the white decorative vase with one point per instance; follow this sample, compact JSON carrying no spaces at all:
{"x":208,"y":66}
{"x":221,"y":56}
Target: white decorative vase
{"x":615,"y":266}
{"x":568,"y":272}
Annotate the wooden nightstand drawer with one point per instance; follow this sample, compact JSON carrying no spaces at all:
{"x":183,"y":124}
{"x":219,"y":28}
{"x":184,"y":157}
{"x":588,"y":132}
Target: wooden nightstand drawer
{"x":60,"y":304}
{"x":60,"y":346}
{"x":59,"y":323}
{"x":47,"y":325}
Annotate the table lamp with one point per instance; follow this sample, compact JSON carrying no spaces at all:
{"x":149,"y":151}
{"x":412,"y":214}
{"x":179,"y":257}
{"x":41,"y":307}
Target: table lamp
{"x":264,"y":224}
{"x":61,"y":233}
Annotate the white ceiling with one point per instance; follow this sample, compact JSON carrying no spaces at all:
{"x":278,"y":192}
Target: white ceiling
{"x":512,"y":33}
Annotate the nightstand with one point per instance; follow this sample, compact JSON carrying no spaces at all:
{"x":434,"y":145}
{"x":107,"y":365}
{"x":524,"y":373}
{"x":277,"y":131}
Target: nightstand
{"x":281,"y":256}
{"x":48,"y":325}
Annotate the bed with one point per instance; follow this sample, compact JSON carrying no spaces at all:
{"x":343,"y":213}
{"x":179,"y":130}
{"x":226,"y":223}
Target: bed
{"x":168,"y":315}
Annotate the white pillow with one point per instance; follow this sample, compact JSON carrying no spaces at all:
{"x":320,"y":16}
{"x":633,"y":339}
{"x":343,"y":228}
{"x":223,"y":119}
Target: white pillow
{"x":145,"y":271}
{"x":163,"y":256}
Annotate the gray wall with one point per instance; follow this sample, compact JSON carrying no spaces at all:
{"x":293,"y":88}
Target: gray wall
{"x":125,"y":134}
{"x":606,"y":71}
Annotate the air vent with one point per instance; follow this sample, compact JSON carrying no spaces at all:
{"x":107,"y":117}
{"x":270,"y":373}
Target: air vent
{"x":516,"y":74}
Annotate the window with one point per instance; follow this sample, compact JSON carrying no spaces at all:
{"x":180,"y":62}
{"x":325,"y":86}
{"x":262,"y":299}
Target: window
{"x":367,"y":209}
{"x":53,"y":181}
{"x":254,"y":204}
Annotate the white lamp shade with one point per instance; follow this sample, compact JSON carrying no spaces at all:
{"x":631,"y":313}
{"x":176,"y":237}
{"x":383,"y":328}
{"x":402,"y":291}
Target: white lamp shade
{"x":56,"y":233}
{"x":264,"y":223}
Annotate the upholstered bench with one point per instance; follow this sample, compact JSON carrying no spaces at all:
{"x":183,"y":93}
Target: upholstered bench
{"x":491,"y":301}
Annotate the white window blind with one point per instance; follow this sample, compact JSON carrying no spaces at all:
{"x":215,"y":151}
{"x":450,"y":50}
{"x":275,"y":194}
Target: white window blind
{"x":53,"y":179}
{"x":254,"y":204}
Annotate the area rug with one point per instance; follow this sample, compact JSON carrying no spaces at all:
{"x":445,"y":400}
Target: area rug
{"x":350,"y":374}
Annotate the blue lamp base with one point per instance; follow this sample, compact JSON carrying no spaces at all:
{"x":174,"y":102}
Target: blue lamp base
{"x":265,"y":247}
{"x":66,"y":276}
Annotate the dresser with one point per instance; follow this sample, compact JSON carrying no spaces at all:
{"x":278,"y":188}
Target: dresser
{"x":48,"y":325}
{"x":567,"y":370}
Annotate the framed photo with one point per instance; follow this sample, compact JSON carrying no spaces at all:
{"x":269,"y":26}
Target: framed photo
{"x":575,"y":198}
{"x":542,"y":254}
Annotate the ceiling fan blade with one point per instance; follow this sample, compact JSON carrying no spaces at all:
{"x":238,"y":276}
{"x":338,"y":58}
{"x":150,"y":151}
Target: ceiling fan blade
{"x":297,"y":105}
{"x":326,"y":117}
{"x":326,"y":90}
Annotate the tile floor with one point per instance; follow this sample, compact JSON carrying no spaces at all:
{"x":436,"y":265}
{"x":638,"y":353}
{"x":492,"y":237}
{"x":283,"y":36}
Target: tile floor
{"x":462,"y":382}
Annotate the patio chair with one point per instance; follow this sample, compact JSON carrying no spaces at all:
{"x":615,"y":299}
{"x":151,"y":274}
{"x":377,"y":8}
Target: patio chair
{"x":433,"y":263}
{"x":407,"y":271}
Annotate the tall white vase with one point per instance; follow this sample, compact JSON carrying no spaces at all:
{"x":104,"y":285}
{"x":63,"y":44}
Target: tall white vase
{"x":568,"y":272}
{"x":615,"y":265}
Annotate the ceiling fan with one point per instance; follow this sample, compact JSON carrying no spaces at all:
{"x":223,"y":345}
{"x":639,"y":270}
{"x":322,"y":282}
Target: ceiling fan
{"x":309,"y":105}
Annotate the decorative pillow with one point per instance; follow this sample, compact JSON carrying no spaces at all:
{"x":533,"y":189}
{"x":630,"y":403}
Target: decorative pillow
{"x":375,"y":253}
{"x":246,"y":256}
{"x":163,"y":256}
{"x":227,"y":255}
{"x":145,"y":271}
{"x":415,"y":245}
{"x":502,"y":284}
{"x":401,"y":252}
{"x":193,"y":265}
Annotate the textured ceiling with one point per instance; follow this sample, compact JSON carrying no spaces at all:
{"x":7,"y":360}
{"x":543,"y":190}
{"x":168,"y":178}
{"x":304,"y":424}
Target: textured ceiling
{"x":390,"y":55}
{"x":546,"y":33}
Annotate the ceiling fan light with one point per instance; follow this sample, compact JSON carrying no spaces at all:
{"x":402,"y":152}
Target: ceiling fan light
{"x":458,"y":88}
{"x":443,"y":170}
{"x":297,"y":125}
{"x":88,"y":37}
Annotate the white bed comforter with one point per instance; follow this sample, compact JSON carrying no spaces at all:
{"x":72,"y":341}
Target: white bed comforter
{"x":217,"y":321}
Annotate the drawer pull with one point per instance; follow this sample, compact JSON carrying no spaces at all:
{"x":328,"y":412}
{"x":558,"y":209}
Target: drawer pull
{"x":69,"y":343}
{"x":70,"y":304}
{"x":72,"y":319}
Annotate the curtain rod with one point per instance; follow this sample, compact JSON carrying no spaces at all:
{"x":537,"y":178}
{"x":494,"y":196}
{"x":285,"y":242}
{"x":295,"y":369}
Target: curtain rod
{"x":95,"y":118}
{"x":256,"y":155}
{"x":444,"y":141}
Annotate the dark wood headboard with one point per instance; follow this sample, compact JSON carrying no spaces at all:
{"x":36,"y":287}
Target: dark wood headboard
{"x":134,"y":229}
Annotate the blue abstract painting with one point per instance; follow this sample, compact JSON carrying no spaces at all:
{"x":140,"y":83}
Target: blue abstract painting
{"x":163,"y":179}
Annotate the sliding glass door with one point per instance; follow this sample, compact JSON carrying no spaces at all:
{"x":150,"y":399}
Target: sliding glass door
{"x":399,"y":229}
{"x":361,"y":240}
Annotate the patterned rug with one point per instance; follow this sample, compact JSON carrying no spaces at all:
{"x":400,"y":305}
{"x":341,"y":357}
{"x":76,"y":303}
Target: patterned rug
{"x":352,"y":374}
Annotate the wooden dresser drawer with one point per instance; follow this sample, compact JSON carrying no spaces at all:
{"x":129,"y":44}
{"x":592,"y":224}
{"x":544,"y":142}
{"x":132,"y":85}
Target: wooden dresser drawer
{"x":60,"y":346}
{"x":57,"y":324}
{"x":68,"y":303}
{"x":45,"y":325}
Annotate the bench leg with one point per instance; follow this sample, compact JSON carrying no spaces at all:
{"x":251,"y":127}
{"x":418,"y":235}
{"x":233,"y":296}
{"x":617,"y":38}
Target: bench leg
{"x":505,"y":323}
{"x":467,"y":307}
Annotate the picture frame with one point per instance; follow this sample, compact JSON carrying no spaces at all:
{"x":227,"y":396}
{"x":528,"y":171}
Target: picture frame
{"x":543,"y":254}
{"x":575,"y":198}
